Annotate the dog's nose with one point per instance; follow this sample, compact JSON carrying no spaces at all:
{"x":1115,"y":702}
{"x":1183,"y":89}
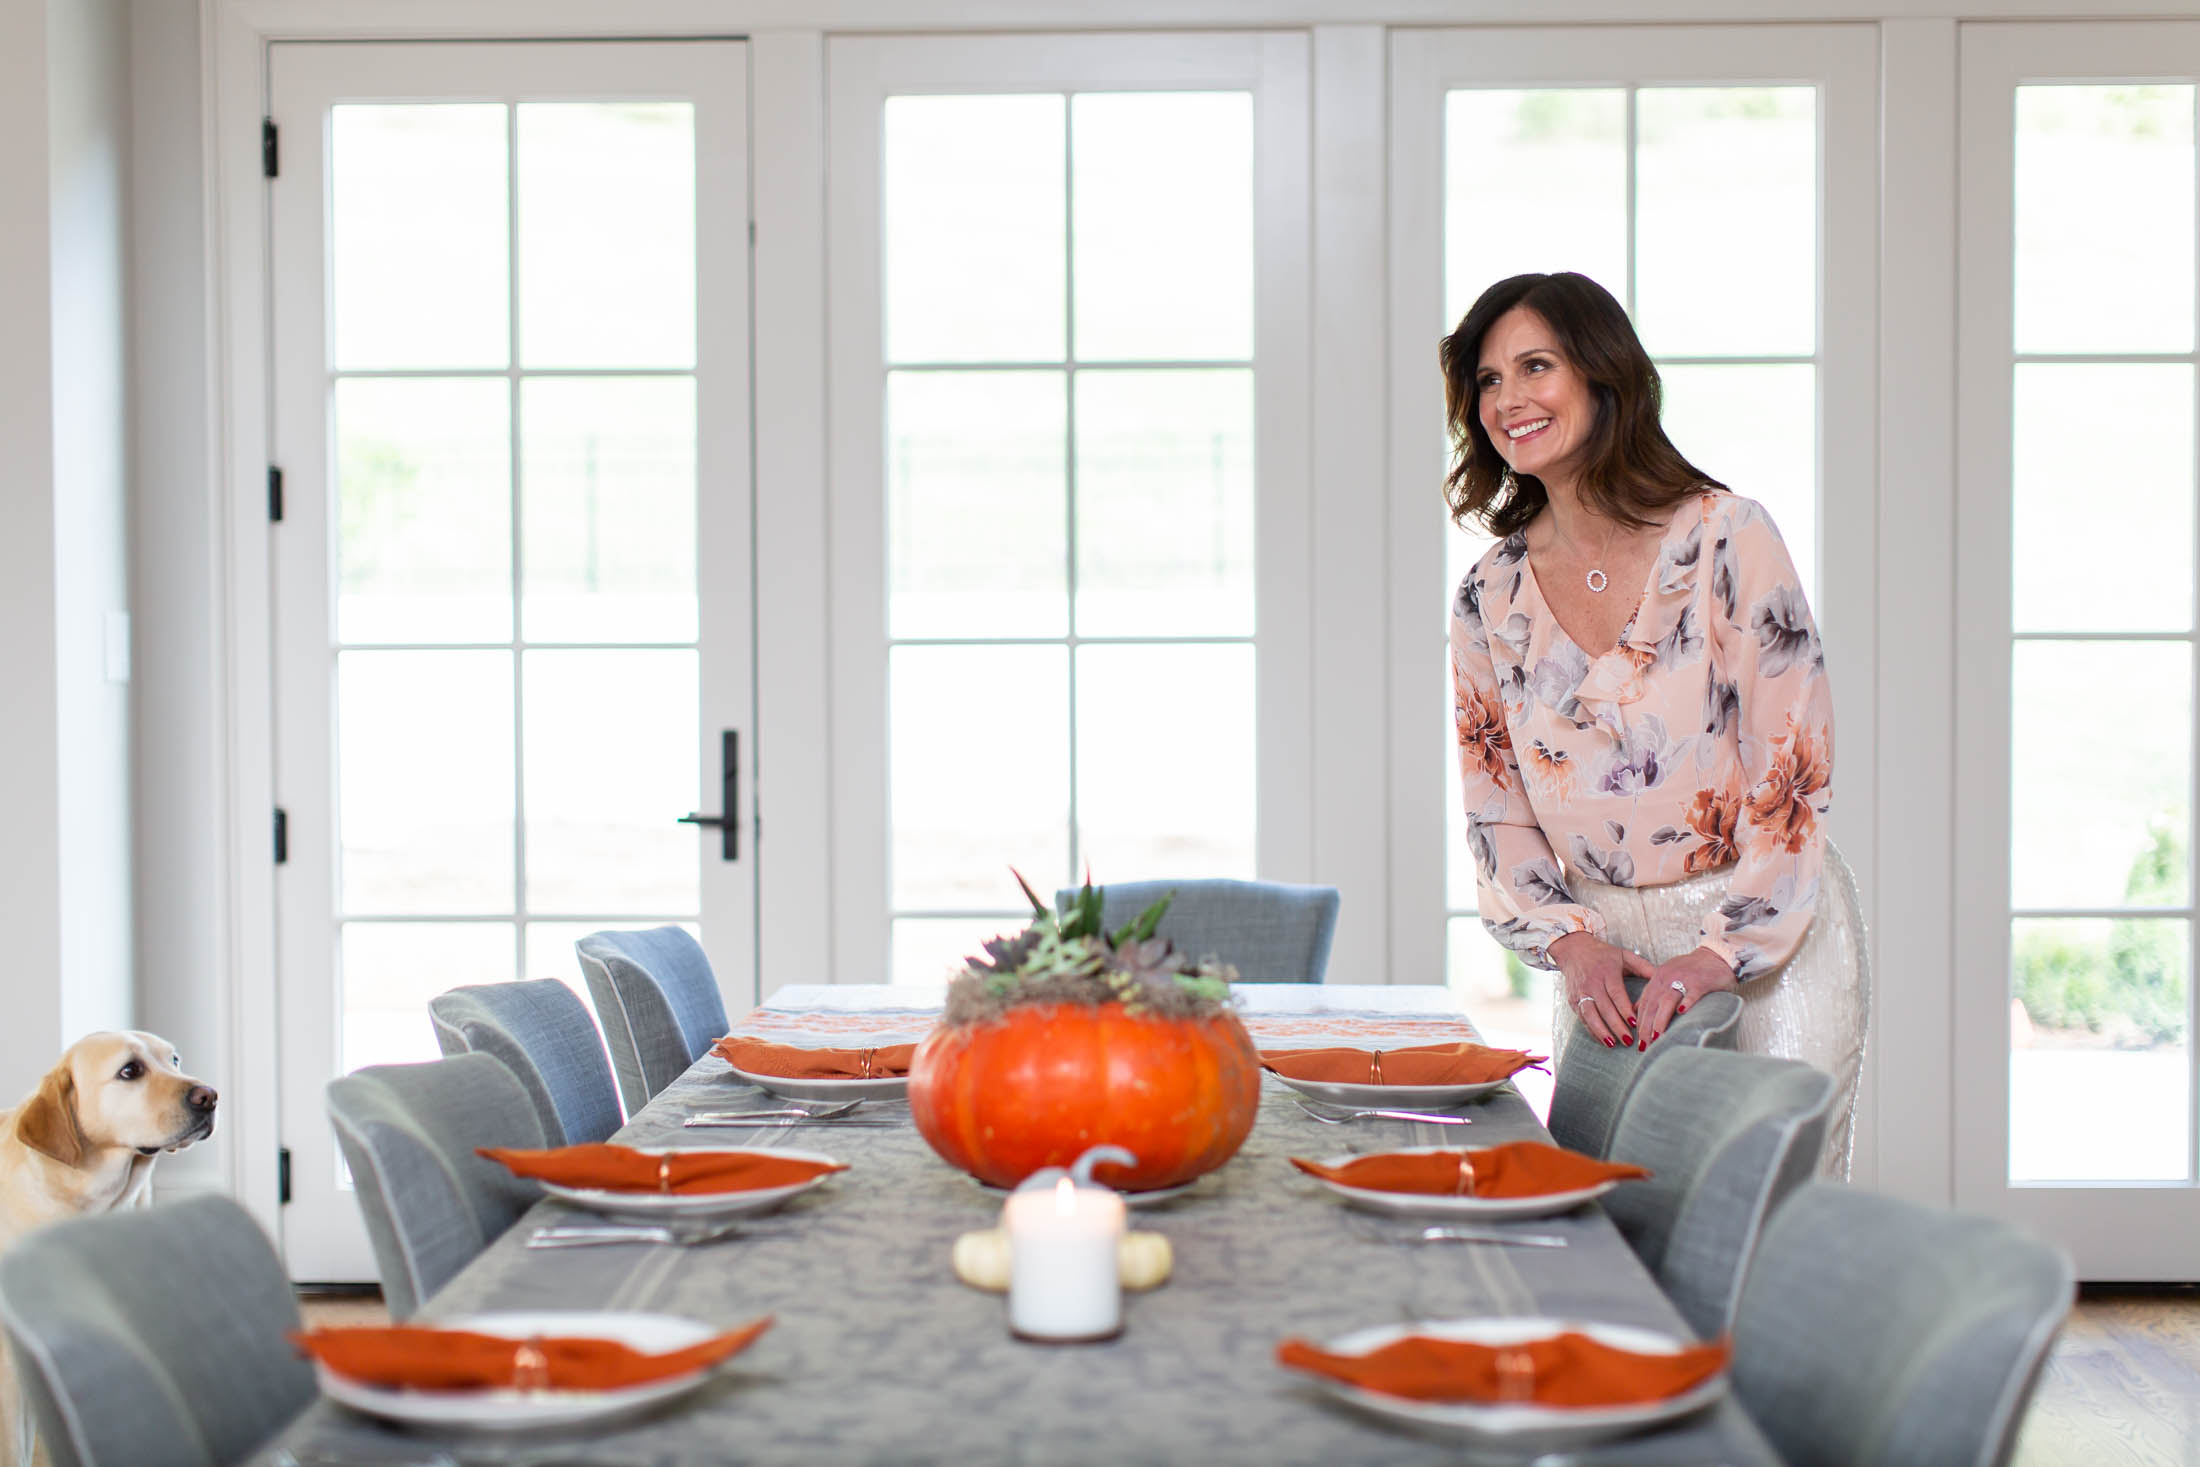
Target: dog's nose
{"x":201,"y":1097}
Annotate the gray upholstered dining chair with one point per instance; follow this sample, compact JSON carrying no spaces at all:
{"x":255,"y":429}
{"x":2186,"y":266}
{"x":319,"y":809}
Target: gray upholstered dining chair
{"x":659,"y":1004}
{"x":1726,"y":1136}
{"x":408,"y":1133}
{"x":1269,"y":931}
{"x":541,"y":1031}
{"x":1874,"y":1330}
{"x":154,"y":1336}
{"x":1590,"y":1083}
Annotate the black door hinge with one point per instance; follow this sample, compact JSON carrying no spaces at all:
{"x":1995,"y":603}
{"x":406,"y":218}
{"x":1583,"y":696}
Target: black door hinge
{"x":282,"y":1175}
{"x":268,"y":155}
{"x":282,"y":835}
{"x":274,"y":494}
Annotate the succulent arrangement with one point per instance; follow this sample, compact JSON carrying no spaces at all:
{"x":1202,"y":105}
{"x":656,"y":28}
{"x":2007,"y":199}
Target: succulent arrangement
{"x":1070,"y":958}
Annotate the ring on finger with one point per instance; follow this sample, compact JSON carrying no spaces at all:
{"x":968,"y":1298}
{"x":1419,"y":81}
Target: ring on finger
{"x":1585,"y":998}
{"x":1680,"y":988}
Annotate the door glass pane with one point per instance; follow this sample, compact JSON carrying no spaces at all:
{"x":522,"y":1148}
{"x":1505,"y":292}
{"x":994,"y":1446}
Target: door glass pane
{"x":2102,"y":447}
{"x":424,"y":510}
{"x":611,"y":764}
{"x":391,"y":970}
{"x":1162,"y":204}
{"x":977,"y":521}
{"x":930,"y":950}
{"x":1165,"y":770}
{"x":2100,"y":1065}
{"x":607,"y":514}
{"x":1754,"y":428}
{"x":1554,"y":156}
{"x":1510,"y":1001}
{"x":2104,"y":218}
{"x":607,"y":234}
{"x":417,"y":232}
{"x":2101,"y":779}
{"x":975,"y":229}
{"x":1727,"y":220}
{"x":549,"y":952}
{"x":424,"y":781}
{"x":980,"y":769}
{"x":1165,"y":503}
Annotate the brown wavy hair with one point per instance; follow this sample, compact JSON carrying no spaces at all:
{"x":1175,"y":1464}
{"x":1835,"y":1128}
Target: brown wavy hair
{"x":1631,"y":470}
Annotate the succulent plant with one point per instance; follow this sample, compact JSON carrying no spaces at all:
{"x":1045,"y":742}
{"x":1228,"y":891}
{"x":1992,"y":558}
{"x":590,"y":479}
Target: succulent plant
{"x":1069,"y":957}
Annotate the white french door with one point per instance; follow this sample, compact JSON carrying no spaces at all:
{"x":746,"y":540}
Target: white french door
{"x":1719,"y":182}
{"x":1069,"y":516}
{"x":513,"y":625}
{"x":2078,"y":640}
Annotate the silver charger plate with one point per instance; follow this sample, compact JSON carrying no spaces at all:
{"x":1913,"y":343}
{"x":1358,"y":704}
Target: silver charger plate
{"x":1391,"y":1097}
{"x":658,"y":1207}
{"x":892,"y":1087}
{"x":1432,"y":1204}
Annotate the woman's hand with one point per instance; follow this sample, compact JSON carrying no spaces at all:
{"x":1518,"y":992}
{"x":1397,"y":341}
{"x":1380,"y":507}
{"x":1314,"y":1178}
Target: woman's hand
{"x":1593,"y":974}
{"x":1698,"y":973}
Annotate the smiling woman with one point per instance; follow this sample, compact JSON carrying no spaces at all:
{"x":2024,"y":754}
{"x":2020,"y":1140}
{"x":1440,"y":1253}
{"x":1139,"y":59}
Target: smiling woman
{"x":1674,"y":745}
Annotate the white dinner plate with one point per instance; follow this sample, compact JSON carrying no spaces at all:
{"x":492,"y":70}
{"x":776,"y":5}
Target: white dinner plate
{"x":1518,"y":1427}
{"x":1391,"y":1097}
{"x":517,"y":1410}
{"x":1425,"y":1204}
{"x":892,"y":1087}
{"x":1130,"y":1199}
{"x":667,"y":1206}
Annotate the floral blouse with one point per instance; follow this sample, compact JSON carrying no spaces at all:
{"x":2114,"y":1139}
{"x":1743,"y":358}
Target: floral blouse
{"x":1702,"y":739}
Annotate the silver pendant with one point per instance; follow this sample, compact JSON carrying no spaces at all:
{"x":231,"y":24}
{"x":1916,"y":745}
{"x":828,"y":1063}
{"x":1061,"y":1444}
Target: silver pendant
{"x":1596,"y":580}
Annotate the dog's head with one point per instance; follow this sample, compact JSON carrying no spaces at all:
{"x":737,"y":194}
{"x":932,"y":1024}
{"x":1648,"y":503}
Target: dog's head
{"x":116,"y":1089}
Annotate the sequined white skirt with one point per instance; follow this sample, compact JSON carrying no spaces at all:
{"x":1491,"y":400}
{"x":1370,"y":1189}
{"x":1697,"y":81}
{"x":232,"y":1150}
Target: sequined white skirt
{"x":1816,"y":1007}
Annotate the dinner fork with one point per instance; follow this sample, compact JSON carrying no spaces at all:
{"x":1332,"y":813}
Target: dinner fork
{"x":1386,"y":1115}
{"x":582,"y":1235}
{"x":815,"y":1113}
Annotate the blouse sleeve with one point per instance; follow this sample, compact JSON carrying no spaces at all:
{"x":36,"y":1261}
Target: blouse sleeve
{"x":1522,"y":892}
{"x":1774,"y":680}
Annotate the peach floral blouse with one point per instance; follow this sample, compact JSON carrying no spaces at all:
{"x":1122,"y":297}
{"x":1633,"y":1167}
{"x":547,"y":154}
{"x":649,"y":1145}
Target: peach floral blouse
{"x":1703,"y":739}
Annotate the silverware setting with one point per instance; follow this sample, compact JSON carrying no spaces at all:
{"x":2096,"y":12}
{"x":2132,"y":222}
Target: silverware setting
{"x":814,"y":1112}
{"x":747,"y":1119}
{"x":1422,"y":1117}
{"x":1448,"y":1233}
{"x":599,"y":1235}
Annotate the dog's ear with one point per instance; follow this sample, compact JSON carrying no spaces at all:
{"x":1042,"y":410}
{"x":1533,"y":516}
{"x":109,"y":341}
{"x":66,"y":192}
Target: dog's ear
{"x":48,"y":1121}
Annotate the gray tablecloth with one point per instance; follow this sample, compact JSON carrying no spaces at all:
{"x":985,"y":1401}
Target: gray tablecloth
{"x":880,"y":1356}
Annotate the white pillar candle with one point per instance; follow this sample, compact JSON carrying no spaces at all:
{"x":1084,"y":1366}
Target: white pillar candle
{"x":1062,"y":1282}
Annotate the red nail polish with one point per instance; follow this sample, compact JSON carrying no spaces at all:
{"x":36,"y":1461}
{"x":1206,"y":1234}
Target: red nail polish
{"x":1630,"y":1021}
{"x":1644,"y":1045}
{"x":1681,"y":1010}
{"x":1607,"y":1044}
{"x":1655,"y":1035}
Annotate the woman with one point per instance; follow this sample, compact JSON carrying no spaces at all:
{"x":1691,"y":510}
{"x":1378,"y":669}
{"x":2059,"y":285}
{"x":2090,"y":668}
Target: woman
{"x":1640,"y":695}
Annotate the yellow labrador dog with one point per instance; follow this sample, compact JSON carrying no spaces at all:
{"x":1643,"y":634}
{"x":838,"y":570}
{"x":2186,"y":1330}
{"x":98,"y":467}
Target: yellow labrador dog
{"x":86,"y":1139}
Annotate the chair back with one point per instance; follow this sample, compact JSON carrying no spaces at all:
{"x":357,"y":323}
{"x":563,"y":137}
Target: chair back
{"x":1269,"y":931}
{"x":1726,"y":1136}
{"x":154,"y":1336}
{"x":408,"y":1133}
{"x":540,"y":1030}
{"x":659,"y":1003}
{"x":1590,"y":1085}
{"x":1875,"y":1330}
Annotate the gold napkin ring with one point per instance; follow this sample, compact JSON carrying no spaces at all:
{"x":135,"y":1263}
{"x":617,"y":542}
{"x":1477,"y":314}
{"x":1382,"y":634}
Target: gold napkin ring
{"x":867,"y":1062}
{"x":664,"y":1172}
{"x":1375,"y":1068}
{"x":530,"y":1365}
{"x":1466,"y":1175}
{"x":1515,"y":1375}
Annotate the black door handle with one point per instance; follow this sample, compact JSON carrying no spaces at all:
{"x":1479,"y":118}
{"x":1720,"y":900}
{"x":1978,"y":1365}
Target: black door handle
{"x":729,"y":824}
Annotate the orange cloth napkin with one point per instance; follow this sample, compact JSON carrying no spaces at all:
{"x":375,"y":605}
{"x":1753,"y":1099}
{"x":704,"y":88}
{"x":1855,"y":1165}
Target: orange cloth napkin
{"x":1514,"y":1169}
{"x":416,"y":1357}
{"x":1562,"y":1370}
{"x":610,"y":1168}
{"x":1424,"y":1064}
{"x":791,"y":1062}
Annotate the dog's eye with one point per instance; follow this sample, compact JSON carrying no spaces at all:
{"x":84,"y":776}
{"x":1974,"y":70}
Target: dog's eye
{"x":131,"y":1071}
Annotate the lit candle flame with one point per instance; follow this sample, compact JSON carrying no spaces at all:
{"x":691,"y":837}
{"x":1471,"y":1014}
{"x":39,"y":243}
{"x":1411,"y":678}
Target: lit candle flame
{"x":1065,"y":1197}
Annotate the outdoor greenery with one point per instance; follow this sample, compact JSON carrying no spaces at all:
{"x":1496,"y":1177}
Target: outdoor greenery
{"x":2132,"y":984}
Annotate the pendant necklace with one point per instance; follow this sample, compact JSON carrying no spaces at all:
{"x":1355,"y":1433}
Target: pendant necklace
{"x":1596,"y":580}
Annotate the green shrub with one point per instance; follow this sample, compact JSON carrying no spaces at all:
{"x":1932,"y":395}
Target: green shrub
{"x":2066,"y":981}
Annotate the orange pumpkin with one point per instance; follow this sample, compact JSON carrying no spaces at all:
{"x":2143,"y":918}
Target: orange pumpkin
{"x":1003,"y":1097}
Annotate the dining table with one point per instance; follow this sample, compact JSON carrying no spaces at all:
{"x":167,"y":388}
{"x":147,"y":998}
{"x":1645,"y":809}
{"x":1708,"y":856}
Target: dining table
{"x":879,"y":1355}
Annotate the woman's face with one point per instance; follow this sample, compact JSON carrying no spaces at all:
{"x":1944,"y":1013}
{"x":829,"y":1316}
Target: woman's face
{"x":1534,"y":404}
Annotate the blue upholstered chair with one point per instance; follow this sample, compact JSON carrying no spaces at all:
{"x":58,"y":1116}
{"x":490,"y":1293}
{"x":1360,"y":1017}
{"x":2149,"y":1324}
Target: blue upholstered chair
{"x":1874,"y":1330}
{"x":156,"y":1336}
{"x":1590,"y":1083}
{"x":541,"y":1031}
{"x":1726,"y":1136}
{"x":408,"y":1133}
{"x":659,"y":1004}
{"x":1269,"y":931}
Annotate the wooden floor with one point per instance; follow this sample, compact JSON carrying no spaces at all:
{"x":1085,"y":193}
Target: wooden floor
{"x":2123,"y":1386}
